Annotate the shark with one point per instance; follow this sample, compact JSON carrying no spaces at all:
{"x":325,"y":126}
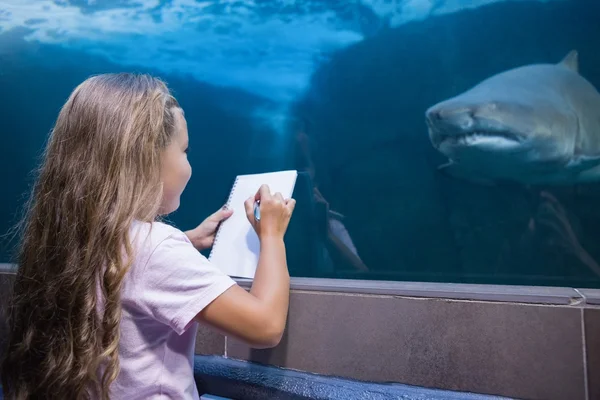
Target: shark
{"x":537,"y":124}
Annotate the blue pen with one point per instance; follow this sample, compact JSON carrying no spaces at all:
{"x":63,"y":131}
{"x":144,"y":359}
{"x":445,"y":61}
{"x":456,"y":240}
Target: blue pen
{"x":257,"y":210}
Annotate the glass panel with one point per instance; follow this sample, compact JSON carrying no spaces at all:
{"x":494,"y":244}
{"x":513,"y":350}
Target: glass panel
{"x":349,"y":93}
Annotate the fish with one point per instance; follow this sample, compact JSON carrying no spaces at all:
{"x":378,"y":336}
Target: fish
{"x":537,"y":124}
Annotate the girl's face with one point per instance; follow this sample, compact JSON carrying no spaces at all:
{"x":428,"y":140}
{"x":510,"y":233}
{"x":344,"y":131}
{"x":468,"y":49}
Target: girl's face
{"x":176,"y":170}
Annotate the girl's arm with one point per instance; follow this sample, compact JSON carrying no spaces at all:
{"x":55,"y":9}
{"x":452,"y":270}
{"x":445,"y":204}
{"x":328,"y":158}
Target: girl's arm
{"x":258,"y":317}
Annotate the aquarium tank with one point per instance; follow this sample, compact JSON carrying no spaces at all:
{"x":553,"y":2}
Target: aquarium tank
{"x":436,"y":140}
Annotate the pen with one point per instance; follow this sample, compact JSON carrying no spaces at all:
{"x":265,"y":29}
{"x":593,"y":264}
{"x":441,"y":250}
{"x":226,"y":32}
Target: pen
{"x":257,"y":210}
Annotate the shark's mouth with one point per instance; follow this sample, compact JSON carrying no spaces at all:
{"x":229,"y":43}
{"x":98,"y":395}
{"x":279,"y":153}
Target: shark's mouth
{"x":475,"y":137}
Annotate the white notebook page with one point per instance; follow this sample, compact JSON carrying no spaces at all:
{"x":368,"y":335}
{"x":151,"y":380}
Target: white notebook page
{"x":236,"y":246}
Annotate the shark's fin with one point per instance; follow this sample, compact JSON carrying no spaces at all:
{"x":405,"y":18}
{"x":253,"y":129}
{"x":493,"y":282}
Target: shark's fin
{"x":571,"y":61}
{"x":454,"y":170}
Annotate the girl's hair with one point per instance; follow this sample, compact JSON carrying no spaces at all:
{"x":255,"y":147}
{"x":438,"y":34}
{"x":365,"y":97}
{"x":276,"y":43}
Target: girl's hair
{"x":101,"y":171}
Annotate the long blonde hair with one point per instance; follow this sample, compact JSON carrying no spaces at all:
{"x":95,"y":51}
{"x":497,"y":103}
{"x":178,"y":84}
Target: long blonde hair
{"x":101,"y":171}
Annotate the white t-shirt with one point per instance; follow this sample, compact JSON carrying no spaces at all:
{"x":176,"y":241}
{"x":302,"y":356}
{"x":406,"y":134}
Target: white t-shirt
{"x":169,"y":283}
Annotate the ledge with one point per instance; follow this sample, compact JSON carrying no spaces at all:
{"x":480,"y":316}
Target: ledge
{"x":244,"y":380}
{"x":592,"y":296}
{"x":6,"y":268}
{"x":456,"y":291}
{"x":496,"y":293}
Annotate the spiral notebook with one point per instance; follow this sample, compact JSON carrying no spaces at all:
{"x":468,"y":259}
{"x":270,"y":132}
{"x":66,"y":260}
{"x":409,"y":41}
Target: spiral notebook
{"x":236,"y":247}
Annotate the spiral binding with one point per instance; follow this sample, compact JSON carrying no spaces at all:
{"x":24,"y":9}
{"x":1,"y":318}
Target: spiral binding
{"x":227,"y":205}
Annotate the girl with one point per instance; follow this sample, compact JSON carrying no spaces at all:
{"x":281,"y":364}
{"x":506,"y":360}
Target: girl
{"x":107,"y":299}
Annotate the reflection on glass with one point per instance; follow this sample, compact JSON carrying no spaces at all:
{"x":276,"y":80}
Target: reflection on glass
{"x":442,"y":140}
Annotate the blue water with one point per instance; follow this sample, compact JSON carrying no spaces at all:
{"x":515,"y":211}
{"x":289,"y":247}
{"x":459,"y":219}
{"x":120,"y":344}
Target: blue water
{"x":338,"y":90}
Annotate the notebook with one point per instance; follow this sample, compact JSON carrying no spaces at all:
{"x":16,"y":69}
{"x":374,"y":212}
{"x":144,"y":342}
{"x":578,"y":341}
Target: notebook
{"x":236,"y":247}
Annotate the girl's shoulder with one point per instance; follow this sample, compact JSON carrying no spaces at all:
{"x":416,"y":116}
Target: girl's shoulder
{"x":146,"y":237}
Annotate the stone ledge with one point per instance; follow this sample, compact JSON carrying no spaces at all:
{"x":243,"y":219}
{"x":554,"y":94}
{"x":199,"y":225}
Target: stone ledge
{"x":477,"y":292}
{"x":496,"y":293}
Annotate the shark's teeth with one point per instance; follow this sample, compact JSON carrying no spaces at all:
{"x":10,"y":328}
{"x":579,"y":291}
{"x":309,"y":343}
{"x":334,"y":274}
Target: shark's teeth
{"x":469,"y":137}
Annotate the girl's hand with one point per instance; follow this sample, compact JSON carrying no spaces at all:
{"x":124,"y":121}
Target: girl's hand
{"x":258,"y":317}
{"x":275,"y":213}
{"x":203,"y":236}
